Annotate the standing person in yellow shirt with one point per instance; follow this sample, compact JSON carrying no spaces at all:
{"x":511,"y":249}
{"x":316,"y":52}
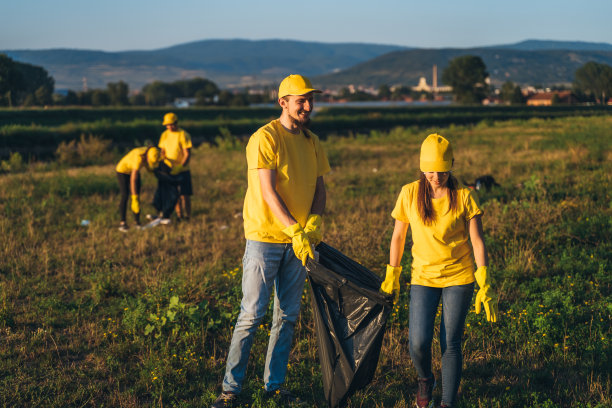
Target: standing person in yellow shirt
{"x":175,"y":145}
{"x":282,"y":212}
{"x":128,"y":175}
{"x":444,"y":218}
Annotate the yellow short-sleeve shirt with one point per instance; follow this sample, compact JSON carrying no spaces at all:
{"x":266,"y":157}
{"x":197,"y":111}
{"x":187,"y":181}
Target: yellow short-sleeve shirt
{"x":298,"y":161}
{"x":173,"y":144}
{"x":131,"y":161}
{"x":442,"y":254}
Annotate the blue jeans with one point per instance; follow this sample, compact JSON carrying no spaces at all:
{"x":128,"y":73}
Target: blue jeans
{"x":267,"y":268}
{"x":424,"y":302}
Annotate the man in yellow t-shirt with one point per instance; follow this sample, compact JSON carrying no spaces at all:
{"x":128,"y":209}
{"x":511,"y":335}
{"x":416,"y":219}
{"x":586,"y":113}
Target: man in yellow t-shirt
{"x":176,"y":145}
{"x":282,"y":218}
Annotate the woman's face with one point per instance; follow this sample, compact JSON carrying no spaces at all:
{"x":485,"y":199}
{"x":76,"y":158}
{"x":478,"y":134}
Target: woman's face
{"x":437,"y":179}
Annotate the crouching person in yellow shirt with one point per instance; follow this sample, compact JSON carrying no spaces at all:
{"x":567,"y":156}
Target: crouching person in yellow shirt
{"x":444,"y":218}
{"x":128,"y":175}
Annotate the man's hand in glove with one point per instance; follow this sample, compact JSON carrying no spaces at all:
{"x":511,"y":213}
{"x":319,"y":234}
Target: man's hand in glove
{"x":313,"y":229}
{"x":176,"y":169}
{"x":301,"y":244}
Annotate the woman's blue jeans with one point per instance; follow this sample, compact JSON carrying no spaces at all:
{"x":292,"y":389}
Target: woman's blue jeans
{"x":424,"y":303}
{"x":267,"y":268}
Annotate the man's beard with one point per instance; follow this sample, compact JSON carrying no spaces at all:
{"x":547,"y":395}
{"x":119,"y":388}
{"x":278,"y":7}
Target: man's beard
{"x":302,"y":124}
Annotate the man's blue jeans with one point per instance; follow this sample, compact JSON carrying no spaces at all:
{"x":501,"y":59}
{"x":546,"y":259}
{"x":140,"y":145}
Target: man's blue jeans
{"x":267,"y":268}
{"x":424,"y":302}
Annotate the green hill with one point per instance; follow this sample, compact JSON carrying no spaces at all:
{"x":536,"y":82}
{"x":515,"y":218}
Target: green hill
{"x":544,"y":67}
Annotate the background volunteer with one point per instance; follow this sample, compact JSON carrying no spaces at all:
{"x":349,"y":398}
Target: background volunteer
{"x":128,"y":175}
{"x":176,"y":145}
{"x":282,"y":217}
{"x":444,"y":218}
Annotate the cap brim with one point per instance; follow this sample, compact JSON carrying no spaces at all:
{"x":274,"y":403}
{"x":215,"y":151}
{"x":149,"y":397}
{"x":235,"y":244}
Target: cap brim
{"x":302,"y":92}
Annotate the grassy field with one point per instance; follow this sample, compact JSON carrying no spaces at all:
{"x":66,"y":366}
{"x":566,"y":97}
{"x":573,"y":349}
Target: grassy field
{"x":36,"y":133}
{"x":92,"y":317}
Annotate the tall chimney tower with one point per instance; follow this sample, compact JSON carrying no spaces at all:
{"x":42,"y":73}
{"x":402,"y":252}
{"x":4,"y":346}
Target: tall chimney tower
{"x":435,"y":78}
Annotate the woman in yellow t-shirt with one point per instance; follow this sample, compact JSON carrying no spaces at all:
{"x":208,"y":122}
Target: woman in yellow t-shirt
{"x":444,"y":218}
{"x":128,"y":175}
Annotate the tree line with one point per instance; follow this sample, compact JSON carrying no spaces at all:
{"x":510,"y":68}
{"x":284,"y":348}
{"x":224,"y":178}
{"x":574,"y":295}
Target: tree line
{"x":24,"y":84}
{"x":28,"y":85}
{"x":468,"y":77}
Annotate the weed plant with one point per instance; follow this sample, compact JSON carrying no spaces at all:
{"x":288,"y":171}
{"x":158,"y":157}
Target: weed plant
{"x":92,"y":317}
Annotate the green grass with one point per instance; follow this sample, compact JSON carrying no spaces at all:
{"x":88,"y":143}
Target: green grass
{"x":93,"y":317}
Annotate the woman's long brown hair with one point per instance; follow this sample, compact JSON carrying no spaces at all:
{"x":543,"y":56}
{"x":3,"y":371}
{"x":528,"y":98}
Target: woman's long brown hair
{"x":424,"y":203}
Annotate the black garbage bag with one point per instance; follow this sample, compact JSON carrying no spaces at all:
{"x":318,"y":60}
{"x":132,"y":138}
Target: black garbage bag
{"x":350,"y":318}
{"x":167,"y":194}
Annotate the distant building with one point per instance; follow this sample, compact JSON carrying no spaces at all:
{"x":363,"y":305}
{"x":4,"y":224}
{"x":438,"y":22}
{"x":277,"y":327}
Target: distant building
{"x":184,"y":102}
{"x":434,"y":88}
{"x":552,"y":98}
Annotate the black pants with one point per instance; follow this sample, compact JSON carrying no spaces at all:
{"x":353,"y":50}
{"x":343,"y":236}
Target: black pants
{"x":167,"y":193}
{"x":124,"y":189}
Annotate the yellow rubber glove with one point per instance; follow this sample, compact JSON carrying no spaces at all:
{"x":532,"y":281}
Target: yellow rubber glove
{"x":313,"y":229}
{"x":391,"y":283}
{"x":300,"y":241}
{"x":176,"y":169}
{"x":135,"y":204}
{"x":485,"y":294}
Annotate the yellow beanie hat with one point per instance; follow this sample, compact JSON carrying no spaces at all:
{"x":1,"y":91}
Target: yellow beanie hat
{"x":436,"y":154}
{"x":153,"y":157}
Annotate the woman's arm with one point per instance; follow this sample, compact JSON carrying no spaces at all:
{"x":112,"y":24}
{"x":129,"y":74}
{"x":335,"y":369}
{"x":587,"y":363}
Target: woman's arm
{"x":477,"y":239}
{"x":397,"y":243}
{"x":133,"y":179}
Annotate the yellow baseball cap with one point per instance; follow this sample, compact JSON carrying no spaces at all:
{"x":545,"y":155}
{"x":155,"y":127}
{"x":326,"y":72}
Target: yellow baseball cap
{"x":436,"y":154}
{"x":169,"y":118}
{"x":295,"y":85}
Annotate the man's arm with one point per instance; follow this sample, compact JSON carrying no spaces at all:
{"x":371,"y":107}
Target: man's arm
{"x":186,"y":156}
{"x":267,"y":180}
{"x":320,"y":197}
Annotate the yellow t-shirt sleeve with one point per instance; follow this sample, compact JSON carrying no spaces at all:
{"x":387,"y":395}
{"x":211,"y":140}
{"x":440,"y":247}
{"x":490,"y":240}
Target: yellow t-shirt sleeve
{"x":472,"y":208}
{"x":185,"y":140}
{"x":400,"y":212}
{"x":262,"y":151}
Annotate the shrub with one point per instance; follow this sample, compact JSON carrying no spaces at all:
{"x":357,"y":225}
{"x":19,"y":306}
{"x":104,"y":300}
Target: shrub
{"x":14,"y":164}
{"x":87,"y":151}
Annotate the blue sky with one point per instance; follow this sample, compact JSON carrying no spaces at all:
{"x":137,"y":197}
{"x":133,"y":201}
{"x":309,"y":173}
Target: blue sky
{"x":113,"y":25}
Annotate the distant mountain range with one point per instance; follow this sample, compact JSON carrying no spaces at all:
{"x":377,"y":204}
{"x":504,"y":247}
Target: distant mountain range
{"x":240,"y":63}
{"x":228,"y":63}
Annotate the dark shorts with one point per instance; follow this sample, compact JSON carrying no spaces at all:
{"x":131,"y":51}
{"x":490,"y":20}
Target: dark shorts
{"x":185,"y":187}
